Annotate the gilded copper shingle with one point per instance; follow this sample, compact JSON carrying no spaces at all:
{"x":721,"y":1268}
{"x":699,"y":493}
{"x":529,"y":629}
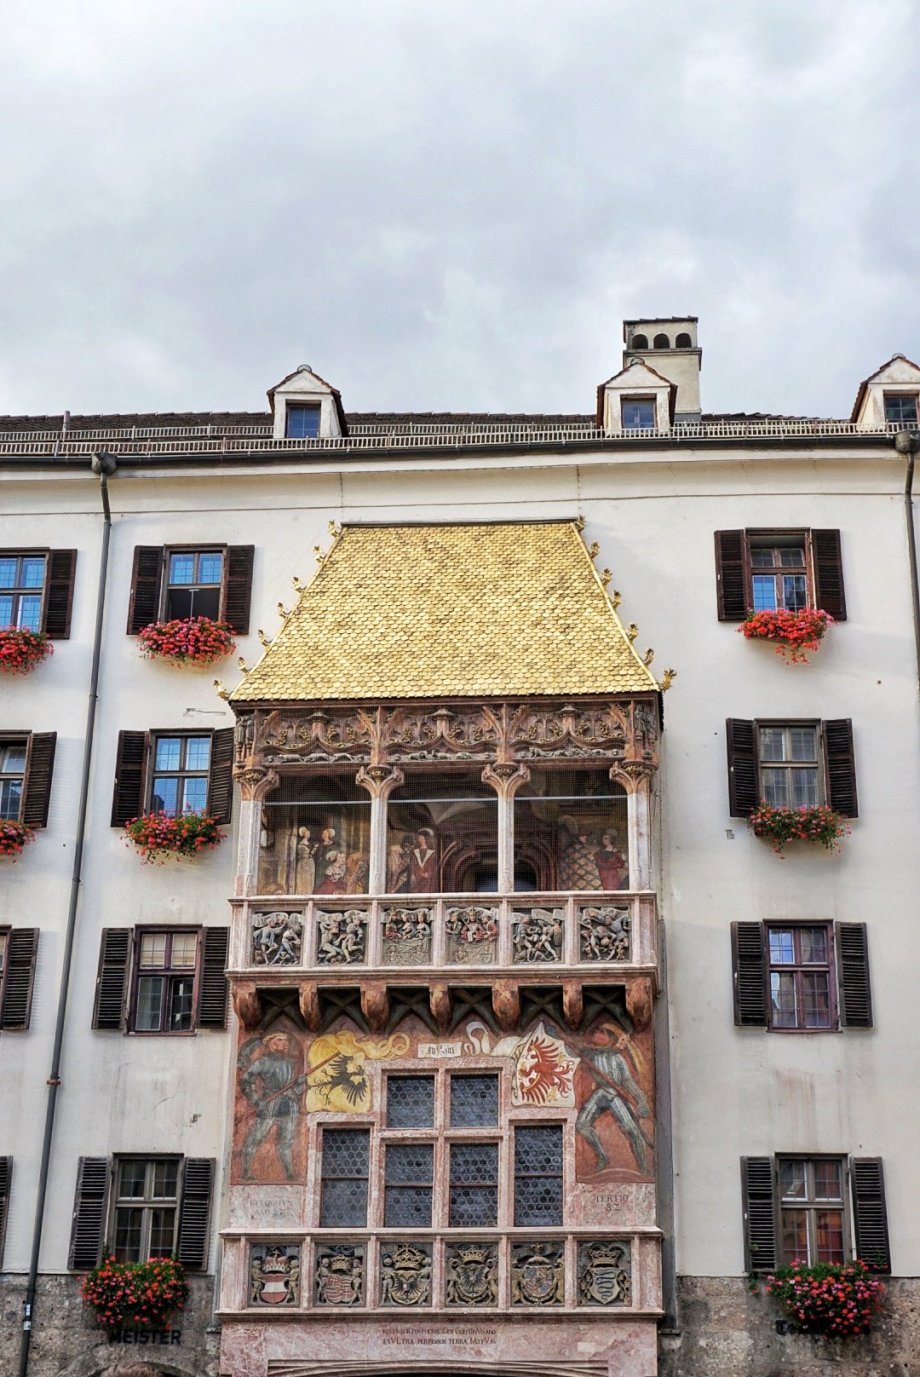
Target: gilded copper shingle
{"x":490,"y":610}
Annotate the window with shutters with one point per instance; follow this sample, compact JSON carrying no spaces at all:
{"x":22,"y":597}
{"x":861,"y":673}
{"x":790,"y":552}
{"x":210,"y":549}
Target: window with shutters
{"x":791,"y":765}
{"x":170,"y":582}
{"x":161,"y":980}
{"x":779,"y":570}
{"x":814,"y":1208}
{"x":6,"y":1176}
{"x":36,"y":590}
{"x":12,"y":777}
{"x":26,"y":765}
{"x":18,"y":952}
{"x":174,"y":773}
{"x":801,"y":976}
{"x":136,"y":1207}
{"x":442,"y":1157}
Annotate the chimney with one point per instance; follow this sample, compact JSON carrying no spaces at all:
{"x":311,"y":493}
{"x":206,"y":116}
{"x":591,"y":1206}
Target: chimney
{"x":669,"y":346}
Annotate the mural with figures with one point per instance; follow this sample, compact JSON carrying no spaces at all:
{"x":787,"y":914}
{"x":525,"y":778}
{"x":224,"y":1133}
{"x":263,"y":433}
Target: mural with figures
{"x":601,"y":1077}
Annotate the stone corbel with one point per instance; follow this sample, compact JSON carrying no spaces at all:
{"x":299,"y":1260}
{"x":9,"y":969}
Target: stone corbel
{"x":505,"y":777}
{"x":639,"y":1001}
{"x":506,"y":1004}
{"x":375,"y":1004}
{"x":439,"y":1002}
{"x":379,"y":780}
{"x":255,"y":781}
{"x":573,"y":1004}
{"x":247,"y":1004}
{"x":308,"y":1000}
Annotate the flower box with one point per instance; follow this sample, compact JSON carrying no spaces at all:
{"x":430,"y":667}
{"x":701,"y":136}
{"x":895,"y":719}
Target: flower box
{"x":21,"y":650}
{"x":158,"y":836}
{"x":792,"y":633}
{"x":135,"y":1295}
{"x":783,"y":825}
{"x":14,"y":837}
{"x":187,"y":641}
{"x":833,"y":1299}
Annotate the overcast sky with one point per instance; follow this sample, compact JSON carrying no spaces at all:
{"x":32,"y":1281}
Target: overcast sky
{"x":453,"y":205}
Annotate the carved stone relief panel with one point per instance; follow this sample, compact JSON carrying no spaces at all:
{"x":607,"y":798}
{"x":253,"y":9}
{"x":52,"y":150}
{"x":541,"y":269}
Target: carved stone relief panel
{"x":567,"y":731}
{"x":471,"y":1274}
{"x":406,"y":936}
{"x":604,"y":1272}
{"x":291,"y":739}
{"x":459,"y":733}
{"x":341,"y":938}
{"x":538,"y":1273}
{"x":277,"y":938}
{"x":472,"y":935}
{"x":339,"y":1275}
{"x":274,"y":1274}
{"x":405,"y":1274}
{"x":537,"y":934}
{"x":603,"y":932}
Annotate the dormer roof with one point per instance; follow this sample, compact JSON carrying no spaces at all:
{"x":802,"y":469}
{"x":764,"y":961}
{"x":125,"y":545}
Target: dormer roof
{"x":306,"y":383}
{"x":636,"y":378}
{"x":899,"y":371}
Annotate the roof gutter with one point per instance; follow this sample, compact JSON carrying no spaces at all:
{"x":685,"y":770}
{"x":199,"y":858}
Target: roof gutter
{"x":908,"y":442}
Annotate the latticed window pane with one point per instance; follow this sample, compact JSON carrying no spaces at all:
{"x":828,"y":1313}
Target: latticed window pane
{"x":410,"y":1101}
{"x":473,"y":1101}
{"x":817,"y":1000}
{"x":184,"y":949}
{"x":181,"y":993}
{"x":473,"y":1185}
{"x":162,"y":1232}
{"x":168,"y":753}
{"x":153,"y":949}
{"x":197,"y":752}
{"x":128,"y":1227}
{"x":828,"y":1176}
{"x":149,"y":1003}
{"x":782,"y":946}
{"x":782,"y":998}
{"x":810,"y":1231}
{"x":538,"y":1175}
{"x":814,"y":946}
{"x":132,"y":1177}
{"x":829,"y":1235}
{"x":409,"y":1168}
{"x":344,"y":1179}
{"x":145,"y":1226}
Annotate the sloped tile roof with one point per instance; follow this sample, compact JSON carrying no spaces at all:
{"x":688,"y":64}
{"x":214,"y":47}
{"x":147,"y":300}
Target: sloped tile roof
{"x":486,"y":610}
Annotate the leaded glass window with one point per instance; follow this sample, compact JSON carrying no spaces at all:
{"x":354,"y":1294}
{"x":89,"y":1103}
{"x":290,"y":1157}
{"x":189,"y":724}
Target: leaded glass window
{"x":410,"y":1101}
{"x":473,"y":1185}
{"x":538,"y":1175}
{"x":346,"y":1155}
{"x":408,"y":1185}
{"x":473,"y":1101}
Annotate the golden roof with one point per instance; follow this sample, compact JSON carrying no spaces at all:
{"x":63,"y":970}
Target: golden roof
{"x":471,"y":611}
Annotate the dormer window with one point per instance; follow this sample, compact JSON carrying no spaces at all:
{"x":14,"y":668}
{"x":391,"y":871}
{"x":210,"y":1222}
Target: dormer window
{"x":638,"y":413}
{"x":301,"y":421}
{"x":901,"y":408}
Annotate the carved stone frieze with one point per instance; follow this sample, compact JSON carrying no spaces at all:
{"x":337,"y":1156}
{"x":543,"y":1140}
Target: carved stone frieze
{"x":571,"y":730}
{"x":341,"y":937}
{"x":604,"y":1272}
{"x":405,"y":1274}
{"x":460,"y":733}
{"x":277,"y":938}
{"x":536,"y":934}
{"x":538,"y":1273}
{"x":472,"y":935}
{"x":603,"y":932}
{"x":339,"y":1277}
{"x":288,"y":738}
{"x":406,"y":936}
{"x":471,"y":1273}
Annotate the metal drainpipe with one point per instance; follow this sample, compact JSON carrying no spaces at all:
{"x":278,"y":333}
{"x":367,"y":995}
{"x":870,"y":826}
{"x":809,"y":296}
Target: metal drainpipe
{"x":104,"y":465}
{"x":908,"y":442}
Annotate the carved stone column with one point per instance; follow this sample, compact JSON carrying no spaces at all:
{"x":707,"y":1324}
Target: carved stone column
{"x":636,"y":776}
{"x":379,"y":781}
{"x":506,"y":778}
{"x":256,"y":782}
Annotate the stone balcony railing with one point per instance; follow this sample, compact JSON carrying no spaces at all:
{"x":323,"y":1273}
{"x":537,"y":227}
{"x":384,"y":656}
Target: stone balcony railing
{"x":335,"y":937}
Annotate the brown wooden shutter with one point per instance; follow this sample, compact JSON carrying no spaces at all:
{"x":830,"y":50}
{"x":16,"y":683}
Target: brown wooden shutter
{"x":743,"y":782}
{"x":39,"y":769}
{"x":130,"y":770}
{"x":841,"y":767}
{"x":220,"y":779}
{"x":731,"y":575}
{"x":6,"y":1176}
{"x":853,"y":976}
{"x":112,"y":979}
{"x":238,"y":587}
{"x":62,"y":568}
{"x":828,"y":573}
{"x":146,"y":584}
{"x":88,"y":1229}
{"x":16,"y":1006}
{"x":194,"y":1213}
{"x":870,"y":1217}
{"x":758,"y":1198}
{"x":212,"y":1000}
{"x":750,"y":975}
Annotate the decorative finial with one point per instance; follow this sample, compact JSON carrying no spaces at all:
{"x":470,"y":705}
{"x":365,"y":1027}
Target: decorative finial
{"x":617,"y":598}
{"x":265,"y":640}
{"x":648,"y":657}
{"x":318,"y":553}
{"x":243,"y":665}
{"x":579,"y":522}
{"x":606,"y":576}
{"x":334,"y":528}
{"x":632,"y":631}
{"x":594,"y":549}
{"x":283,"y":611}
{"x":296,"y":584}
{"x":667,"y":679}
{"x":221,"y":691}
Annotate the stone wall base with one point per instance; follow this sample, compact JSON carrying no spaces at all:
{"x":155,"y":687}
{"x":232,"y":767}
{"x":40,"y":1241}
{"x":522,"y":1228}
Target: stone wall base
{"x":67,"y":1343}
{"x":725,"y":1330}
